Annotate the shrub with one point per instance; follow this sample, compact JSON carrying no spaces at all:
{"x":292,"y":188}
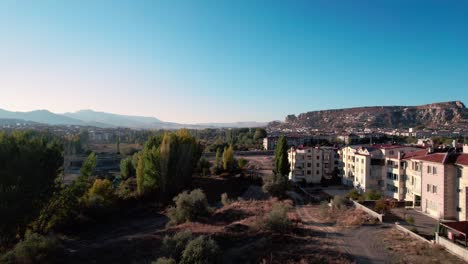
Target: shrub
{"x":127,"y":189}
{"x":164,"y":260}
{"x":277,"y":220}
{"x":372,"y":195}
{"x":353,"y":194}
{"x":35,"y":248}
{"x":225,"y":199}
{"x":189,"y":207}
{"x":381,"y":206}
{"x":241,"y":163}
{"x":324,"y":209}
{"x":276,"y":186}
{"x":100,"y":198}
{"x":63,"y":208}
{"x":175,"y":245}
{"x":203,"y":167}
{"x":410,"y":220}
{"x":201,"y":250}
{"x":339,"y":203}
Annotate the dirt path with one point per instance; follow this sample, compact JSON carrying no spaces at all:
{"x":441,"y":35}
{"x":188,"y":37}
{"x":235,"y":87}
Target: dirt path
{"x":364,"y":244}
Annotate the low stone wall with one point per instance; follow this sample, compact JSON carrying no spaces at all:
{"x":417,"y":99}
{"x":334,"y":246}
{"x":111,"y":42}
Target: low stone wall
{"x":411,"y":233}
{"x":369,"y":211}
{"x":452,"y":247}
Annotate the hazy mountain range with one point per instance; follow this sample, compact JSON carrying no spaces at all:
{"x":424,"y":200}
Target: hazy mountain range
{"x":107,"y":120}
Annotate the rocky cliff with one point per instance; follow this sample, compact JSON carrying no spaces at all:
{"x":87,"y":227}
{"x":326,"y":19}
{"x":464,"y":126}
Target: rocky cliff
{"x":436,"y":115}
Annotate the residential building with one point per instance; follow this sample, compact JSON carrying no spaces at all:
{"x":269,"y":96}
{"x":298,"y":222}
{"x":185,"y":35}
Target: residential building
{"x":438,"y":184}
{"x":363,"y":167}
{"x":311,"y":164}
{"x":376,"y":167}
{"x":395,"y":169}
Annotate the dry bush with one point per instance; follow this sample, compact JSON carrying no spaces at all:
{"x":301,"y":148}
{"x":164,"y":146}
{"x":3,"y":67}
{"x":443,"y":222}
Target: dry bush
{"x":324,"y":209}
{"x":35,"y":248}
{"x":173,"y":246}
{"x":352,"y":217}
{"x":189,"y":207}
{"x":277,"y":220}
{"x":201,"y":250}
{"x":225,"y":199}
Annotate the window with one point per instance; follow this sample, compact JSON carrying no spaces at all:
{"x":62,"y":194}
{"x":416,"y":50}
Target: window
{"x":309,"y":165}
{"x":428,"y":188}
{"x":318,"y":172}
{"x":428,"y":169}
{"x":434,"y":170}
{"x":392,"y":188}
{"x":308,"y":172}
{"x":392,"y":152}
{"x":318,"y":157}
{"x":392,"y":176}
{"x":434,"y":189}
{"x":318,"y":164}
{"x":362,"y":171}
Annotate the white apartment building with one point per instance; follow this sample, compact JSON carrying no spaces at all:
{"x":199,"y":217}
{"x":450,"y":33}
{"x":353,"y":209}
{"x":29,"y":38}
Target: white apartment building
{"x":311,"y":164}
{"x":376,"y":167}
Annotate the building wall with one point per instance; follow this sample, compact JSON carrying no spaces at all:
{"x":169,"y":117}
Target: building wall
{"x":312,"y":164}
{"x":413,"y":181}
{"x":433,"y":202}
{"x":450,"y":192}
{"x":463,"y":194}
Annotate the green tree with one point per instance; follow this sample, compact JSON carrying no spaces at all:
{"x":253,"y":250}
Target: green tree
{"x":260,"y":133}
{"x":29,"y":167}
{"x":126,"y":168}
{"x":148,"y":171}
{"x":218,"y":157}
{"x":229,"y":162}
{"x":166,"y":163}
{"x":282,"y":165}
{"x":87,"y":169}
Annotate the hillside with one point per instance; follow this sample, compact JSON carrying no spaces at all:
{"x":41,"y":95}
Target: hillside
{"x":41,"y":116}
{"x":109,"y":120}
{"x":434,"y":115}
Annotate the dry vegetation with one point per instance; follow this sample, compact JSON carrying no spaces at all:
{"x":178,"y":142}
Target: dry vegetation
{"x":410,"y":250}
{"x":341,"y":214}
{"x":255,"y":231}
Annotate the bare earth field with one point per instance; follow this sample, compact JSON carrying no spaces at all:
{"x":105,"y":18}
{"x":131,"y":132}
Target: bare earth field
{"x":346,"y":236}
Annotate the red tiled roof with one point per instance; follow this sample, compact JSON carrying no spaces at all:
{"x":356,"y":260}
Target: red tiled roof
{"x":462,"y":159}
{"x":433,"y":157}
{"x":408,"y":155}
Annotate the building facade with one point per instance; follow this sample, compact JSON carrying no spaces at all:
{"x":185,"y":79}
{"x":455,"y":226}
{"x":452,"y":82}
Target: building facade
{"x":311,"y":164}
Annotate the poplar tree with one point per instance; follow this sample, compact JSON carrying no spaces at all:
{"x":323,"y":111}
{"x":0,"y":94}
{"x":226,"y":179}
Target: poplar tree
{"x":282,"y":165}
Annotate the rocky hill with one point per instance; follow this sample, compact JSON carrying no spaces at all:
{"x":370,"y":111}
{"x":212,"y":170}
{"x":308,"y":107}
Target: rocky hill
{"x":434,"y":115}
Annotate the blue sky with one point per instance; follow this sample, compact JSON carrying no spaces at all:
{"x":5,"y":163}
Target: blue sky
{"x":223,"y":61}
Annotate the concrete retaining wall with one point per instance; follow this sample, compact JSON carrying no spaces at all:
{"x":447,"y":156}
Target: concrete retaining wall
{"x":411,"y":233}
{"x":452,"y":247}
{"x":369,"y":211}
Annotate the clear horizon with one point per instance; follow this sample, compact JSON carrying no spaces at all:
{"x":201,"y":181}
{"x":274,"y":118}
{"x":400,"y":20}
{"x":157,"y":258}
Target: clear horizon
{"x":211,"y":61}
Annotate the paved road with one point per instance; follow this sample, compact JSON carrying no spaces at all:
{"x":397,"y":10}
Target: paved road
{"x":364,"y":244}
